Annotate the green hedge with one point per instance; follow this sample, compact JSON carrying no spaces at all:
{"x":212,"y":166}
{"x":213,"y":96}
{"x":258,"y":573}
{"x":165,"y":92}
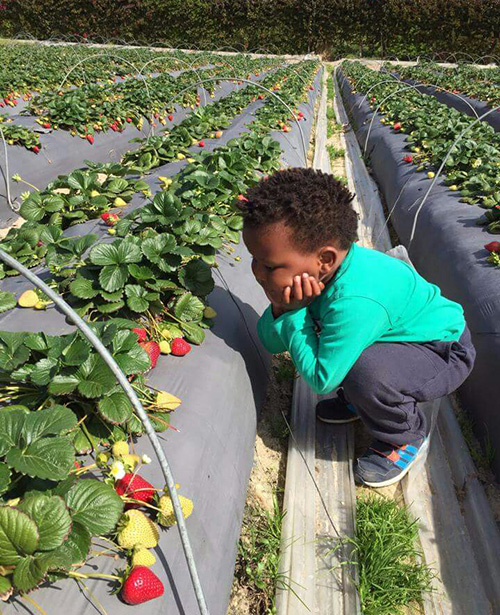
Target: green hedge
{"x":336,"y":27}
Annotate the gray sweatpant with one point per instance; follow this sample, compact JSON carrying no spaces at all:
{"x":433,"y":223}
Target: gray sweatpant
{"x":388,"y":380}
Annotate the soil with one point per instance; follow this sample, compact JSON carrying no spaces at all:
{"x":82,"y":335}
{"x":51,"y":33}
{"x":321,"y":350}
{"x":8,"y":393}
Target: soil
{"x":267,"y":478}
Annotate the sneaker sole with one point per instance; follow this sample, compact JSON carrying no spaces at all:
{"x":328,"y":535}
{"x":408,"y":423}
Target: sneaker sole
{"x":421,"y":457}
{"x":337,"y":421}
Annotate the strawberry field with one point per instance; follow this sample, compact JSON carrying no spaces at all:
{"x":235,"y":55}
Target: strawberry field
{"x":122,"y":172}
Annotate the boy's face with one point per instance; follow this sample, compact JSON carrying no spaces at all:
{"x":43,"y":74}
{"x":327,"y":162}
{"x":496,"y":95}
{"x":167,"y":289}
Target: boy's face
{"x":277,"y":259}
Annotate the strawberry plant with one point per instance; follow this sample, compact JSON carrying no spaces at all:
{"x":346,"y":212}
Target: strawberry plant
{"x":48,"y":532}
{"x":81,"y":195}
{"x":39,"y":371}
{"x":19,"y":135}
{"x":34,"y":243}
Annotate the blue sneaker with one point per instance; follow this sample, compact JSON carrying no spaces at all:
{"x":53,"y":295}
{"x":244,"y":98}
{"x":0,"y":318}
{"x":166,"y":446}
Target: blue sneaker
{"x":337,"y":410}
{"x":383,"y":465}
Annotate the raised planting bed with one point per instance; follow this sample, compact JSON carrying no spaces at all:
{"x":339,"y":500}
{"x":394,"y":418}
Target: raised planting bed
{"x":470,"y":90}
{"x":220,"y":382}
{"x":446,"y":247}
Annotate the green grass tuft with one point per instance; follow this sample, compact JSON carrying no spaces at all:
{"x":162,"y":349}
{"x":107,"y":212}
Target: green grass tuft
{"x":257,"y":564}
{"x":335,"y":152}
{"x":391,"y":575}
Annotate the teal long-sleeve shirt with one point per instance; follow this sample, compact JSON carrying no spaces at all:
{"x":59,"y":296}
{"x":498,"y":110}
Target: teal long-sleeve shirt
{"x":372,"y":298}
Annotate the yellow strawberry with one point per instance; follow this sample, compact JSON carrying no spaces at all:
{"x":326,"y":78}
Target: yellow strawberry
{"x":167,"y":515}
{"x":28,"y":299}
{"x":137,"y":530}
{"x":209,"y":312}
{"x":130,"y":460}
{"x":143,"y":557}
{"x":120,"y":448}
{"x":94,"y":193}
{"x":119,"y":202}
{"x":167,"y":401}
{"x":180,"y":156}
{"x":165,"y":347}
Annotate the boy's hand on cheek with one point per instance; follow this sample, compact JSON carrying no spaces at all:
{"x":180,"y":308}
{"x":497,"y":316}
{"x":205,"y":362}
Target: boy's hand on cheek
{"x":304,"y":290}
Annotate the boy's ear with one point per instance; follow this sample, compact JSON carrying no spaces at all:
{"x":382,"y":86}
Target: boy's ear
{"x":328,"y":259}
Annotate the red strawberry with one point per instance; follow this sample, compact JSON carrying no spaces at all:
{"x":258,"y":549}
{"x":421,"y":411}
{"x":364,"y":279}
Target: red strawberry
{"x":110,"y":219}
{"x":493,"y":246}
{"x":128,"y":120}
{"x":36,"y":149}
{"x":179,"y":347}
{"x":312,"y":87}
{"x":153,"y":350}
{"x":408,"y":158}
{"x":241,"y":197}
{"x":397,"y":126}
{"x":201,"y":143}
{"x":142,"y":334}
{"x":260,"y":96}
{"x":2,"y":104}
{"x":46,"y":125}
{"x":141,"y":585}
{"x":170,"y":118}
{"x":134,"y":486}
{"x":90,"y":139}
{"x":39,"y":244}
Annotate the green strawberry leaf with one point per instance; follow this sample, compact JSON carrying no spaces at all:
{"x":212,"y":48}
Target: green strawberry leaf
{"x":95,"y":377}
{"x":29,"y":573}
{"x":7,"y":301}
{"x":109,"y":308}
{"x":135,"y":361}
{"x":18,"y":535}
{"x":11,"y":426}
{"x":94,"y":505}
{"x":5,"y":585}
{"x":50,"y":458}
{"x":76,"y":353}
{"x":76,"y":546}
{"x":4,"y":479}
{"x":113,"y":277}
{"x":115,"y":408}
{"x":196,"y":276}
{"x":63,"y":384}
{"x":193,"y":333}
{"x":137,"y":298}
{"x":51,"y":517}
{"x":83,"y":288}
{"x":44,"y":371}
{"x":188,"y":308}
{"x":49,"y":422}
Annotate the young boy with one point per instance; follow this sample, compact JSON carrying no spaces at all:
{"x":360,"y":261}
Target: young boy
{"x":352,"y":317}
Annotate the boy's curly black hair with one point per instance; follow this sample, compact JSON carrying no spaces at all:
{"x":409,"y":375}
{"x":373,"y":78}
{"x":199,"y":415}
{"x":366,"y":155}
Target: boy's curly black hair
{"x":314,"y":204}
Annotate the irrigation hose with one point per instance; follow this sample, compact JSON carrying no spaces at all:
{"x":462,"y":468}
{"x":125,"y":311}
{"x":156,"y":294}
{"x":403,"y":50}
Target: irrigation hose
{"x":131,"y":394}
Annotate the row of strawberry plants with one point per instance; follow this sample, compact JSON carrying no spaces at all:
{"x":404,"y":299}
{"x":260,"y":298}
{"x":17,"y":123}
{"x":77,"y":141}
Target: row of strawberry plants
{"x":99,"y":107}
{"x":28,"y":68}
{"x":482,"y":84}
{"x":77,"y":402}
{"x":432,"y":128}
{"x":159,"y":150}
